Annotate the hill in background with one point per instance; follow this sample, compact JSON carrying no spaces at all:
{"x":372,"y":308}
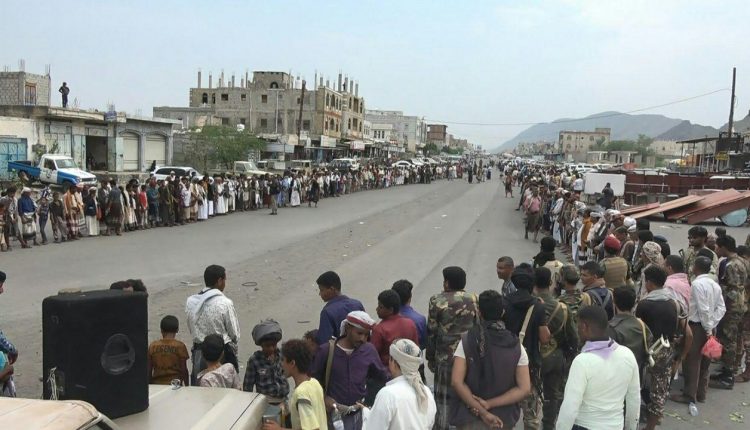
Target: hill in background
{"x":623,"y":126}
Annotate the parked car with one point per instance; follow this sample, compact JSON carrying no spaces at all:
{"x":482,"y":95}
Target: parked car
{"x":402,"y":163}
{"x":416,"y":162}
{"x":247,"y":168}
{"x":344,"y":164}
{"x":182,"y":408}
{"x":53,"y":169}
{"x":161,"y":173}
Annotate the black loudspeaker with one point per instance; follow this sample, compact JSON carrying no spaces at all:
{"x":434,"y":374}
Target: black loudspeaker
{"x":95,"y":348}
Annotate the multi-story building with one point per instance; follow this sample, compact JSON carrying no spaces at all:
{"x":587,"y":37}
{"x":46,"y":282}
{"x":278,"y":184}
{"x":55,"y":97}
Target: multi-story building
{"x":575,"y":145}
{"x":332,"y":117}
{"x":438,"y":134}
{"x":408,"y":131}
{"x":111,"y":142}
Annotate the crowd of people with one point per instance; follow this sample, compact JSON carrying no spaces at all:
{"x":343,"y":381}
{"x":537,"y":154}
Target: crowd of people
{"x":595,"y":342}
{"x":668,"y":310}
{"x":111,"y":208}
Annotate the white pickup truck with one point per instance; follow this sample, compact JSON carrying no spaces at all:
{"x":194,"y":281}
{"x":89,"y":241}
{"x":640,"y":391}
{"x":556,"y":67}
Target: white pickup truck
{"x":53,"y":169}
{"x":194,"y":408}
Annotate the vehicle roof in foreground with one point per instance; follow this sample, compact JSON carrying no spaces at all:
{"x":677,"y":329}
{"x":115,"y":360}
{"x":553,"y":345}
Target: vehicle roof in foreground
{"x":46,"y":414}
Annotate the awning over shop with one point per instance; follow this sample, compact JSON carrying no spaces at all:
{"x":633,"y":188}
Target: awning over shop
{"x":357,"y":145}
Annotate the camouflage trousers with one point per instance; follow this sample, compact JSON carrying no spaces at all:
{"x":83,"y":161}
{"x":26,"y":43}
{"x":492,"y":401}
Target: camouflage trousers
{"x":443,"y":394}
{"x":659,"y":379}
{"x":532,"y":404}
{"x":729,"y":334}
{"x":744,"y":342}
{"x":553,"y":380}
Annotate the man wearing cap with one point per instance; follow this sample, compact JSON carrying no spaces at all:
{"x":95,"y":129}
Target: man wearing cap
{"x":342,"y":366}
{"x":697,"y":236}
{"x":405,"y":403}
{"x":615,"y":268}
{"x":263,"y":373}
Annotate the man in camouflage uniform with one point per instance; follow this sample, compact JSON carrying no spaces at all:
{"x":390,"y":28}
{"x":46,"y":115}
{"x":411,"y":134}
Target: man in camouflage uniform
{"x":563,"y":341}
{"x":732,"y":278}
{"x":451,"y":314}
{"x":697,"y":237}
{"x":570,"y":294}
{"x":744,"y":252}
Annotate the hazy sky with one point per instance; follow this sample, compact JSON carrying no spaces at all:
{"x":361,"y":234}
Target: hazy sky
{"x":453,"y":61}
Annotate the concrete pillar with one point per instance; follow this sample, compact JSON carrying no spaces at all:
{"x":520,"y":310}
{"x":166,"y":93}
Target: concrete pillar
{"x":199,"y":78}
{"x":210,"y":81}
{"x":221,"y":80}
{"x":356,"y":89}
{"x":141,"y":152}
{"x":170,"y":149}
{"x":338,"y":88}
{"x":247,"y":80}
{"x":321,"y":83}
{"x":232,"y":80}
{"x":346,"y":84}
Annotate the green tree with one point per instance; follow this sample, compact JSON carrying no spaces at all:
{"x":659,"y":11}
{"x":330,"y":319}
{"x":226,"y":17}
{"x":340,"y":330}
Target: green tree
{"x":452,"y":151}
{"x":220,"y":145}
{"x":430,"y":149}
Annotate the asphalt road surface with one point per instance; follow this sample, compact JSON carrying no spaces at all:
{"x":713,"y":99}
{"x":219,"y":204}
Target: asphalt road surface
{"x":370,"y":238}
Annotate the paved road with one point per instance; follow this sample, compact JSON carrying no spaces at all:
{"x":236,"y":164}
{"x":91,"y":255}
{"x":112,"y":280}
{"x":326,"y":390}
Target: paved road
{"x":371,"y":239}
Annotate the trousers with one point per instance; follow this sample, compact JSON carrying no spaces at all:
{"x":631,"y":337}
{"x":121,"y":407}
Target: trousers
{"x":660,"y":375}
{"x":730,"y":336}
{"x":695,"y":366}
{"x":532,"y":404}
{"x":553,"y":383}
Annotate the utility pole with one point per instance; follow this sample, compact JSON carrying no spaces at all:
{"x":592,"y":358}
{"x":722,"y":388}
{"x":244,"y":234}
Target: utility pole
{"x":301,"y":105}
{"x":731,"y":105}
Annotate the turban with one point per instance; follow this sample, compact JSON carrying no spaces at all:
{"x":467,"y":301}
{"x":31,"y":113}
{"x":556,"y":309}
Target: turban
{"x":407,"y":354}
{"x":652,"y":251}
{"x":267,"y":330}
{"x":358,"y":319}
{"x":629,"y":222}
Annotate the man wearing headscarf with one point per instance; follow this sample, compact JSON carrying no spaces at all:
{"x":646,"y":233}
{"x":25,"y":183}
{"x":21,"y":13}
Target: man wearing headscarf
{"x":405,"y":403}
{"x":650,"y":256}
{"x":344,"y":380}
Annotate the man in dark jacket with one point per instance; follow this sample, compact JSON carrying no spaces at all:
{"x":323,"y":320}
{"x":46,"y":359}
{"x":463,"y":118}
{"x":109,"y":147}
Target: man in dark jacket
{"x":525,"y":317}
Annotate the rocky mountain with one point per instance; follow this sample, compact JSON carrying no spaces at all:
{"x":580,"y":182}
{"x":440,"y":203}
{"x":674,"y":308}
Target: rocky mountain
{"x":741,"y":126}
{"x":687,"y":130}
{"x":624,"y":127}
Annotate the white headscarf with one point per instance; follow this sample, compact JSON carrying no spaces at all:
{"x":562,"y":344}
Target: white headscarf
{"x":358,"y":319}
{"x":407,"y":354}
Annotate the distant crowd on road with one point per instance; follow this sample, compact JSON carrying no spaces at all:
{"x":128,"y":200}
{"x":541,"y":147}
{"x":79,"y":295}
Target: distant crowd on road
{"x":112,"y":208}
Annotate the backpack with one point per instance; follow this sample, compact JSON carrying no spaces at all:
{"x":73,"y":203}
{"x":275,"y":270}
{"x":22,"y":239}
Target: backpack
{"x":590,"y":298}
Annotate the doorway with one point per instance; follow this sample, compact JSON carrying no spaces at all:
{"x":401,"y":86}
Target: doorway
{"x":96,"y":153}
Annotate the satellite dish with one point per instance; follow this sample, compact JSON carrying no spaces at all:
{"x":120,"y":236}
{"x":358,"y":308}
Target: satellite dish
{"x":735,"y":218}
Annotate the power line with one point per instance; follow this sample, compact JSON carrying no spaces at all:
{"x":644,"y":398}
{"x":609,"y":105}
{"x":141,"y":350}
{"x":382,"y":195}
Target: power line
{"x":507,"y":124}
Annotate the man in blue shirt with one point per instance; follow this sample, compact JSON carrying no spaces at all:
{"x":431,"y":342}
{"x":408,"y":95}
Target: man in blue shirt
{"x":337,"y":306}
{"x":403,"y":288}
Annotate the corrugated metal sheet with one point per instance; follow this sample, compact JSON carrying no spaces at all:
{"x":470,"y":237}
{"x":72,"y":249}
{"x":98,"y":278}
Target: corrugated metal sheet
{"x":640,"y":208}
{"x":720,"y":208}
{"x":669,"y":206}
{"x":708,"y":201}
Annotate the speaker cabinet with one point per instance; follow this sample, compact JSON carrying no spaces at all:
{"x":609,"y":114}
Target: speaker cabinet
{"x":95,"y":348}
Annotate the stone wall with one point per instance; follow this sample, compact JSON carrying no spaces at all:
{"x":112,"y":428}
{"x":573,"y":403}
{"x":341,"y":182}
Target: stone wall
{"x":13,"y":85}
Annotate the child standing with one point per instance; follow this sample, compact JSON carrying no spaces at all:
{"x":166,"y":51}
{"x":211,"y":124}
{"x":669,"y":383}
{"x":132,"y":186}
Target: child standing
{"x":263,"y":373}
{"x":167,"y":357}
{"x":43,"y":212}
{"x":217,"y":374}
{"x":57,"y":210}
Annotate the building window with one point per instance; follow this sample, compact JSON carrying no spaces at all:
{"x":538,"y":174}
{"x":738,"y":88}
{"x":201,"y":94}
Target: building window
{"x":30,"y":94}
{"x":225,"y":121}
{"x":568,"y":137}
{"x":225,"y":97}
{"x":349,"y":124}
{"x":326,"y":125}
{"x":204,"y":99}
{"x":591,"y":138}
{"x":299,"y":100}
{"x":242,"y":121}
{"x":274,"y":85}
{"x":243,"y":97}
{"x":263,"y":122}
{"x":306,"y":124}
{"x":213,"y":98}
{"x":264,"y":98}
